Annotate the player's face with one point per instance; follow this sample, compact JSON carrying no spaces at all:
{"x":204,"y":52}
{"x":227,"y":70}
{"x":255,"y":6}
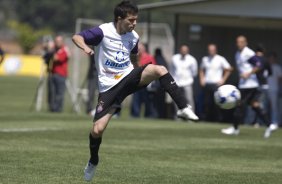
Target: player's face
{"x":128,"y":24}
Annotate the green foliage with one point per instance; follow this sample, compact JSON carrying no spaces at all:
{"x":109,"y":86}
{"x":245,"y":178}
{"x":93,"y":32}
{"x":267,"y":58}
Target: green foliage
{"x":60,"y":15}
{"x":27,"y":36}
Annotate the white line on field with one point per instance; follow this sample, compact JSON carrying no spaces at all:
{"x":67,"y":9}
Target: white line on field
{"x":27,"y":129}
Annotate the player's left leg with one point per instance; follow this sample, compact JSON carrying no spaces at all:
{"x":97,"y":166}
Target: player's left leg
{"x":256,"y":106}
{"x":95,"y":140}
{"x":153,"y":72}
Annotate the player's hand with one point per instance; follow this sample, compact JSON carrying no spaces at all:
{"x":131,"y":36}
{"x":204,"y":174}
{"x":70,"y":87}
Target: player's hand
{"x":245,"y":75}
{"x":220,"y":83}
{"x":202,"y":83}
{"x":88,"y":50}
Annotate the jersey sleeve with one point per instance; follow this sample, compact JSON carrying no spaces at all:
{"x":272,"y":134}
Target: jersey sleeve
{"x":225,"y":64}
{"x":202,"y":64}
{"x":135,"y":49}
{"x":92,"y":36}
{"x":255,"y":61}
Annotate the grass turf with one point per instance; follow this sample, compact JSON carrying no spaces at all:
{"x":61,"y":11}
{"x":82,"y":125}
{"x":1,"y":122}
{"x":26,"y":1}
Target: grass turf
{"x":52,"y":148}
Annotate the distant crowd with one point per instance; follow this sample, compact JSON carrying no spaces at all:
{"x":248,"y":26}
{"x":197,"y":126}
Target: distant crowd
{"x":212,"y":71}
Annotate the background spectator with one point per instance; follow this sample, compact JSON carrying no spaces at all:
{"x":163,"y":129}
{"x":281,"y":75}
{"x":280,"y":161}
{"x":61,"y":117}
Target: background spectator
{"x":184,"y":68}
{"x":214,"y":71}
{"x":2,"y":55}
{"x":144,"y":96}
{"x":48,"y":53}
{"x":59,"y":72}
{"x":91,"y":84}
{"x":274,"y":82}
{"x":263,"y":73}
{"x":159,"y":99}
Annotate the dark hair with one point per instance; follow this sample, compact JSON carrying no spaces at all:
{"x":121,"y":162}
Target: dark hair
{"x":260,"y":48}
{"x":158,"y":52}
{"x":124,"y":8}
{"x":272,"y":54}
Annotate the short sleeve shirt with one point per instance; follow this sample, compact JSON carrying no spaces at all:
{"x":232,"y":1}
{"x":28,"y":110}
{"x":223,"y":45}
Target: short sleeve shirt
{"x":112,"y":53}
{"x":214,"y":67}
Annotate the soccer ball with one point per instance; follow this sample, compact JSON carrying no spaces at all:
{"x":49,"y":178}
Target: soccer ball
{"x":227,"y":96}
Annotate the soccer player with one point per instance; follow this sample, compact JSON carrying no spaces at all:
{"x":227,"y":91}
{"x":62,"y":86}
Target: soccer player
{"x":118,"y":73}
{"x":248,"y":85}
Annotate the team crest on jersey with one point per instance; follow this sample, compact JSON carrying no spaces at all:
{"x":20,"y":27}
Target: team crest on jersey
{"x":100,"y":106}
{"x":120,"y":56}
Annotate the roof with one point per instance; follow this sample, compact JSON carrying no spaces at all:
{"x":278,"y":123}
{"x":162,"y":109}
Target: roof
{"x":270,"y":9}
{"x":158,"y":5}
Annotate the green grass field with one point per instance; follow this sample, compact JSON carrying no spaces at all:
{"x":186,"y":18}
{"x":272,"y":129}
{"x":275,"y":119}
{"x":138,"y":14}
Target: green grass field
{"x":53,"y":148}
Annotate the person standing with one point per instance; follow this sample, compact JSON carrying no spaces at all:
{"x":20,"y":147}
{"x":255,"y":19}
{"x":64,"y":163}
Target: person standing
{"x":91,"y":85}
{"x":274,"y":82}
{"x":58,"y":75}
{"x":214,"y":71}
{"x":248,"y":86}
{"x":184,"y":68}
{"x":262,"y":75}
{"x":48,"y":53}
{"x":2,"y":55}
{"x":159,"y":99}
{"x":144,"y":96}
{"x":119,"y":74}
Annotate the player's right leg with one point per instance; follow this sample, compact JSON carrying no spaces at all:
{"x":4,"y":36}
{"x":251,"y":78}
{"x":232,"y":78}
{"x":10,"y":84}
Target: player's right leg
{"x":153,"y":72}
{"x":95,"y":139}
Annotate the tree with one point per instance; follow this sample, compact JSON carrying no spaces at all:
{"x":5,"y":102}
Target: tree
{"x":26,"y":35}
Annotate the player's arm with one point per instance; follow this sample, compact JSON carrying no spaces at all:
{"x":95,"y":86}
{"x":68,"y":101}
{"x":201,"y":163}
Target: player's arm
{"x":87,"y":37}
{"x":202,"y":77}
{"x":226,"y":73}
{"x":80,"y":43}
{"x":134,"y":60}
{"x":134,"y":56}
{"x":256,"y":63}
{"x":202,"y":74}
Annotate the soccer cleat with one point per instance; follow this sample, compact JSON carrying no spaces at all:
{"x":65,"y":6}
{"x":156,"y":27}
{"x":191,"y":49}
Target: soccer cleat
{"x":89,"y":171}
{"x":187,"y":113}
{"x":269,"y":130}
{"x":273,"y":127}
{"x":230,"y":131}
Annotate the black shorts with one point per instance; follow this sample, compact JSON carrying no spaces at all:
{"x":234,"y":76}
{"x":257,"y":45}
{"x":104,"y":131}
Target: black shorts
{"x":113,"y":98}
{"x":248,"y":96}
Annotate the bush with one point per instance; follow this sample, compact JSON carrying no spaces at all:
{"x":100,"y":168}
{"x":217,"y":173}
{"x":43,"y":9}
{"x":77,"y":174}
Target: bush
{"x":26,"y":35}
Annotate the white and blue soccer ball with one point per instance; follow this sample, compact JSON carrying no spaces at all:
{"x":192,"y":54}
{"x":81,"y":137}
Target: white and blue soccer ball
{"x":227,"y":96}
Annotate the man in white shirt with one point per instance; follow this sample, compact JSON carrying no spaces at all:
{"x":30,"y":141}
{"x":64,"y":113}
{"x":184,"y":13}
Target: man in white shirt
{"x":248,"y":86}
{"x":274,"y":81}
{"x":184,"y":68}
{"x":116,"y":48}
{"x":214,"y":71}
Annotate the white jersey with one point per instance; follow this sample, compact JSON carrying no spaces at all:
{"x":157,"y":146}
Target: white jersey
{"x":244,"y":66}
{"x":112,"y":53}
{"x":184,"y":69}
{"x":214,"y":67}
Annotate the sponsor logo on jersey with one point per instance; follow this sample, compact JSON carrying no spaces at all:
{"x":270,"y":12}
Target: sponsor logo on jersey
{"x":119,"y":61}
{"x":113,"y":64}
{"x":118,"y":76}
